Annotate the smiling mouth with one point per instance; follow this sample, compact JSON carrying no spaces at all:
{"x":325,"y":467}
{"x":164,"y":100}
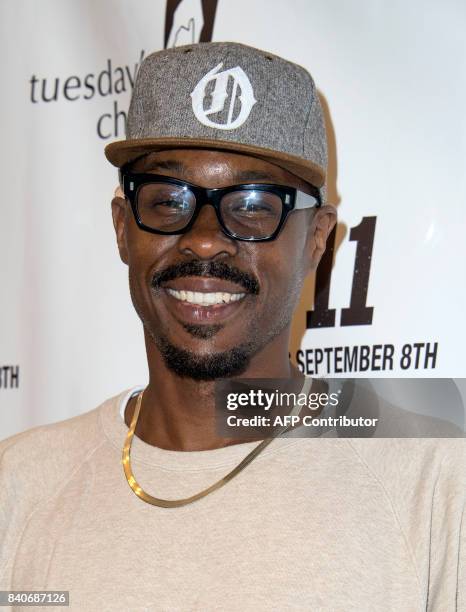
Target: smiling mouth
{"x":199,"y":298}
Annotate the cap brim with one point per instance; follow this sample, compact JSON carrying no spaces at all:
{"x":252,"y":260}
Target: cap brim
{"x":121,"y":152}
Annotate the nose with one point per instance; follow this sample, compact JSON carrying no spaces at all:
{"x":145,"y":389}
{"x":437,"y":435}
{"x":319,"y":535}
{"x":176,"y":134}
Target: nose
{"x":206,"y":239}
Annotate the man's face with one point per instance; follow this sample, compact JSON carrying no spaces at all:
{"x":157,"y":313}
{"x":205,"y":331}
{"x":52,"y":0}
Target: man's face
{"x":260,"y":282}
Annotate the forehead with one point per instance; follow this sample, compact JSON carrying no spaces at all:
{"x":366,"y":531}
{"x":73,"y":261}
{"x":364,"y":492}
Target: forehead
{"x":212,"y":165}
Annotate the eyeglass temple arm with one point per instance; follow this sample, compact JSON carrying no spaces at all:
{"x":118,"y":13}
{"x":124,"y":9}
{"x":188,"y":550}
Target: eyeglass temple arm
{"x":305,"y":200}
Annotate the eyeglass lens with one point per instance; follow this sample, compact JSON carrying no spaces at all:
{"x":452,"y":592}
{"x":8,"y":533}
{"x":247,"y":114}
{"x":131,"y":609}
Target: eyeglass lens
{"x":248,"y":213}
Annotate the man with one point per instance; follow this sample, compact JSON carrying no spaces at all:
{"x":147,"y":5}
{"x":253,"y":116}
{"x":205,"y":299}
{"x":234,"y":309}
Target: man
{"x":220,"y":216}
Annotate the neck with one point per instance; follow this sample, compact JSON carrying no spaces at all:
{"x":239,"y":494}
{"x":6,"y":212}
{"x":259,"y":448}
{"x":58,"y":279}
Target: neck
{"x":179,"y":413}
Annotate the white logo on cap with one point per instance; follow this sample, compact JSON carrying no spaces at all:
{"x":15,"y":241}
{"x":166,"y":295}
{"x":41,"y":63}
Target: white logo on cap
{"x":219,"y":96}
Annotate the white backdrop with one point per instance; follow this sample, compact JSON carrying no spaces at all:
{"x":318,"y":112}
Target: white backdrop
{"x":393,"y":76}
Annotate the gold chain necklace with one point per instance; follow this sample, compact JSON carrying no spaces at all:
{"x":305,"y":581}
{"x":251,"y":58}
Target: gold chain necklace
{"x":176,"y":503}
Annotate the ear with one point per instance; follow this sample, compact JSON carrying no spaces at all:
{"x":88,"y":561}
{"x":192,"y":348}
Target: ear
{"x":322,"y":224}
{"x":119,"y":208}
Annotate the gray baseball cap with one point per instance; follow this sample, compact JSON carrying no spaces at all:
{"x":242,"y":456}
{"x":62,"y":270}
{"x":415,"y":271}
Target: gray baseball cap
{"x":226,"y":96}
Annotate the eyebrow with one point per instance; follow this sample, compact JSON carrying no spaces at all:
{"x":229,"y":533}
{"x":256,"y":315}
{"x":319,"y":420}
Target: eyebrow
{"x":179,"y":167}
{"x":251,"y":175}
{"x":169,"y":164}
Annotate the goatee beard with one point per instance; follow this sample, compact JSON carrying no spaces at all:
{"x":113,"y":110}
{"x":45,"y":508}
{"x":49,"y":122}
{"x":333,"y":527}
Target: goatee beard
{"x":188,"y":364}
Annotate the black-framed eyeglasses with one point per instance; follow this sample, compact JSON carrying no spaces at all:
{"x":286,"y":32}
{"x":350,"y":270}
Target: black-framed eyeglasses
{"x":253,"y":211}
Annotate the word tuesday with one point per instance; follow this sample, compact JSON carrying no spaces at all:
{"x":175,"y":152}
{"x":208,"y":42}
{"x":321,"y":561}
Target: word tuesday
{"x":111,"y":80}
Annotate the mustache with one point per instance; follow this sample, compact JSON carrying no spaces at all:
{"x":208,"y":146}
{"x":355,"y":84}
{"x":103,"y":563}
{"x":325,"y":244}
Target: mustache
{"x":215,"y":269}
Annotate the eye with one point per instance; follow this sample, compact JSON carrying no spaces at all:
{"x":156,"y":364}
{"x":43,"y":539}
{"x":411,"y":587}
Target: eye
{"x":165,"y":199}
{"x":174,"y":205}
{"x":252,"y":207}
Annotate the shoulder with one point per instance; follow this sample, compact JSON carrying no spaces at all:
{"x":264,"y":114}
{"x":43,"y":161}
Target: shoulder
{"x":409,"y":460}
{"x":423,"y":480}
{"x":423,"y":483}
{"x":37,"y":463}
{"x":39,"y":458}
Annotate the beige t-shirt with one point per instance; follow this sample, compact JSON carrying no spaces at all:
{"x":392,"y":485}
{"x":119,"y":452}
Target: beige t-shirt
{"x":311,"y":524}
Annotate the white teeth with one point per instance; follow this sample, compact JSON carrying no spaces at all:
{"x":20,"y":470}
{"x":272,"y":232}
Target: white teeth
{"x":205,"y":299}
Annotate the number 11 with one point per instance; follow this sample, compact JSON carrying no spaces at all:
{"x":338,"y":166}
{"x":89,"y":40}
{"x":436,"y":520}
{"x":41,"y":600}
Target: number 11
{"x":357,"y":313}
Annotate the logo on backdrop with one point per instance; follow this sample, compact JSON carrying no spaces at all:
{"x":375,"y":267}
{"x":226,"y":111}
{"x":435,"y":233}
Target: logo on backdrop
{"x":186,"y":21}
{"x":219,"y":96}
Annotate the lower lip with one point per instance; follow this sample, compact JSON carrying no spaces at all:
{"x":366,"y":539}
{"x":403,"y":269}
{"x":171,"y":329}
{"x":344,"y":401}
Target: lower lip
{"x":194,"y":313}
